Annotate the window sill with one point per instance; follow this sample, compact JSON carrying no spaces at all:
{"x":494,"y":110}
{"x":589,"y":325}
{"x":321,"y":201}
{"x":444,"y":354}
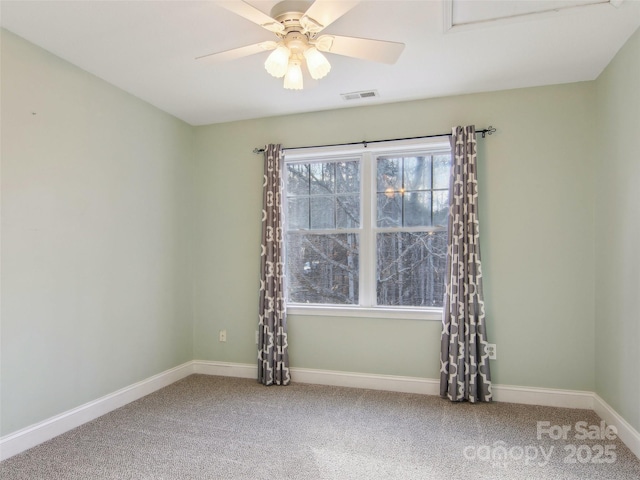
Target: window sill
{"x":431,"y":314}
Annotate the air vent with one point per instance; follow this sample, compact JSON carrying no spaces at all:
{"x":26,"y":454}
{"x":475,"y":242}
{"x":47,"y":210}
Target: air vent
{"x":360,"y":95}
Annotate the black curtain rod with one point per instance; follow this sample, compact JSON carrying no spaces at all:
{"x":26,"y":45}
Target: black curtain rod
{"x":484,"y":132}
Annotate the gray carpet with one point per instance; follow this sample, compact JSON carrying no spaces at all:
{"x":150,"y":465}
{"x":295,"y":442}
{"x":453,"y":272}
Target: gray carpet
{"x":206,"y":427}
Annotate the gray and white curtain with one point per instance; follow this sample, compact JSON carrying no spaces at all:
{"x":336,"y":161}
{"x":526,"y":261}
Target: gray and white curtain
{"x":273,"y":354}
{"x":464,"y":363}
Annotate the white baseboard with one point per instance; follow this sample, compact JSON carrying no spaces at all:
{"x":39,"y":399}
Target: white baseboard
{"x":549,"y":397}
{"x":33,"y":435}
{"x":40,"y":432}
{"x":425,"y":386}
{"x":334,"y":378}
{"x":629,"y":435}
{"x":225,"y":369}
{"x":429,"y":386}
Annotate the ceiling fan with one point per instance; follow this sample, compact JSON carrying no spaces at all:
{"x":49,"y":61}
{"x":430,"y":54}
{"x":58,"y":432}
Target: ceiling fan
{"x":297,"y":24}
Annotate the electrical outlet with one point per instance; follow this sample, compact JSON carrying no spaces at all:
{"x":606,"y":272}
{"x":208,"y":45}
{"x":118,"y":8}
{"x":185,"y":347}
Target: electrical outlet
{"x":491,"y":350}
{"x":222,"y":336}
{"x":257,"y":337}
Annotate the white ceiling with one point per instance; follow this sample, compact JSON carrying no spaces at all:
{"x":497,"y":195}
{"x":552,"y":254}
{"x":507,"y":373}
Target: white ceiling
{"x":453,"y":47}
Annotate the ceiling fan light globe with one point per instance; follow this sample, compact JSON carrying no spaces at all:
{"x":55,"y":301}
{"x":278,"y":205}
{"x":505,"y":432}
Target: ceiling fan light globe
{"x":317,"y":63}
{"x":277,"y":62}
{"x":293,"y":78}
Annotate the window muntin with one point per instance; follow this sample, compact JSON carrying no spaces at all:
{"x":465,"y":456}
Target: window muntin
{"x":367,"y":231}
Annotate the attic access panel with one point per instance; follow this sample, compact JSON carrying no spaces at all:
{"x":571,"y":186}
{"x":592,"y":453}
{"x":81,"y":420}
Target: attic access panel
{"x":460,"y":13}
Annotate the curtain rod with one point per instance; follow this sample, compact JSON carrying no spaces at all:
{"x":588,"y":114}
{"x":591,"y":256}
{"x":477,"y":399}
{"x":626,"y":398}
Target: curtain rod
{"x":484,"y":132}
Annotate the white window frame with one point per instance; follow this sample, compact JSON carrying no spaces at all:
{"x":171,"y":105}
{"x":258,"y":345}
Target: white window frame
{"x":367,"y":230}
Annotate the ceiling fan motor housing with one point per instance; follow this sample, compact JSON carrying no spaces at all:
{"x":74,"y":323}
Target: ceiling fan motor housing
{"x":289,"y":13}
{"x":290,"y":8}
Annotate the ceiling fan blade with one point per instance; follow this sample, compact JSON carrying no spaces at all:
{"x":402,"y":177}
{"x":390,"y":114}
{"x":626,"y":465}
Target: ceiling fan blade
{"x":252,"y":14}
{"x":322,"y":13}
{"x":237,"y":52}
{"x":364,"y":48}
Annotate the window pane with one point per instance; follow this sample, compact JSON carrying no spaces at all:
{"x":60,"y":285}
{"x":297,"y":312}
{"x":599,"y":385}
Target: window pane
{"x":411,"y":193}
{"x":347,"y":177}
{"x":322,"y":177}
{"x":441,"y":171}
{"x":297,"y":179}
{"x":348,"y":211}
{"x":410,"y":268}
{"x":389,"y":174}
{"x":389,"y":209}
{"x":417,"y":173}
{"x":322,"y":268}
{"x":440,"y":207}
{"x":323,"y":212}
{"x":417,"y":209}
{"x":298,"y":213}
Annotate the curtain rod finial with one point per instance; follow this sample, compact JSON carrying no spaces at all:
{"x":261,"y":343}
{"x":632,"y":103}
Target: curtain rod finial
{"x":258,"y":150}
{"x":490,"y":130}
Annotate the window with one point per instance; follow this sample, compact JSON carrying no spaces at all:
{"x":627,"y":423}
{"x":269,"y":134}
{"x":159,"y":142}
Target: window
{"x":366,"y":228}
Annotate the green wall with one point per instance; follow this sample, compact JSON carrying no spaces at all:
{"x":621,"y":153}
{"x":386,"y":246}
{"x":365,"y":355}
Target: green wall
{"x":536,"y":179}
{"x":617,"y":220}
{"x":96,"y":219}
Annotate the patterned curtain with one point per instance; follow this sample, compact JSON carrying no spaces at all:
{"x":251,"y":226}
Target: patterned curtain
{"x":464,"y":364}
{"x":273,"y":353}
